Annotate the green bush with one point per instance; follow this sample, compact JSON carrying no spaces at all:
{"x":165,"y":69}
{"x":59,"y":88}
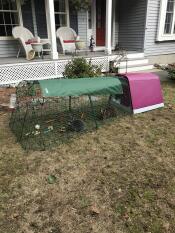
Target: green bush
{"x":80,"y":4}
{"x":80,"y":68}
{"x":171,"y":71}
{"x":170,"y":68}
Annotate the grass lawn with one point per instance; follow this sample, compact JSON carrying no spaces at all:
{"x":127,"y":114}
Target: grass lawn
{"x":120,"y":179}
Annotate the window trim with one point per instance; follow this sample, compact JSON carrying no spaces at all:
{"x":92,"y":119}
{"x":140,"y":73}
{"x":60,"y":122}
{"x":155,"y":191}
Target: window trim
{"x":20,"y":20}
{"x":161,"y":36}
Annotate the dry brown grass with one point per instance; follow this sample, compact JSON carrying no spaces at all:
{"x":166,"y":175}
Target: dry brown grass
{"x":120,"y":179}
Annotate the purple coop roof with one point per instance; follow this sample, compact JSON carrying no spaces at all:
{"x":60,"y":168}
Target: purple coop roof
{"x":145,"y":91}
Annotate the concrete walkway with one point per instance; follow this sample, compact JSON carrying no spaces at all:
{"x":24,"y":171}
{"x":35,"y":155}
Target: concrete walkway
{"x":163,"y":75}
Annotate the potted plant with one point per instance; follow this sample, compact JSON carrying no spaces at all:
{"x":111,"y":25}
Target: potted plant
{"x":80,"y":4}
{"x":121,"y":55}
{"x":80,"y":44}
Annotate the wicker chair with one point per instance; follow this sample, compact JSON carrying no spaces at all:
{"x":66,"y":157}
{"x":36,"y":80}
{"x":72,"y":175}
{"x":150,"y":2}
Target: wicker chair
{"x":67,"y":37}
{"x":23,"y":35}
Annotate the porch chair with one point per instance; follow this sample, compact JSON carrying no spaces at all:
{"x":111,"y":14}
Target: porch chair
{"x":24,"y":35}
{"x":67,"y":38}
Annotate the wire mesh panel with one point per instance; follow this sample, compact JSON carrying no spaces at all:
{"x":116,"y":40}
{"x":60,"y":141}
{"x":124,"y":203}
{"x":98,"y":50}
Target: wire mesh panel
{"x":40,"y":123}
{"x":15,"y":73}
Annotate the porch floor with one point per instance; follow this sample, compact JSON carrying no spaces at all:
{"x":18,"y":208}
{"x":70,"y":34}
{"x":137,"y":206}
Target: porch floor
{"x":14,"y":60}
{"x":14,"y":70}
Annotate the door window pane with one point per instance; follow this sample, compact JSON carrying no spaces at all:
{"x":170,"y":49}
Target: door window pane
{"x":2,"y":30}
{"x":60,"y":20}
{"x":9,"y":17}
{"x":1,"y":18}
{"x":15,"y":18}
{"x":13,"y":5}
{"x":8,"y":5}
{"x":60,"y":13}
{"x":4,"y":5}
{"x":8,"y":30}
{"x":60,"y":6}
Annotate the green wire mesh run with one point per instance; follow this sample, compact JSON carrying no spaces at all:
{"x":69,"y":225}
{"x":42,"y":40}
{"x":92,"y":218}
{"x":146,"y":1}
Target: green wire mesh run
{"x":41,"y":123}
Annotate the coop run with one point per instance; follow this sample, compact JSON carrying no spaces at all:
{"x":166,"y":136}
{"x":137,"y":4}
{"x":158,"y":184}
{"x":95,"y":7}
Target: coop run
{"x":49,"y":112}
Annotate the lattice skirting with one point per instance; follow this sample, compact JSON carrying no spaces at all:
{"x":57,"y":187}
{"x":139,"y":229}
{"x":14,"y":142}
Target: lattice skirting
{"x":15,"y":73}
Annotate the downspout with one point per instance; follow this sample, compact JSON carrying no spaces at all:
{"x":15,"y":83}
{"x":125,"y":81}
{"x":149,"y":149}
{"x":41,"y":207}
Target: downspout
{"x":145,"y":26}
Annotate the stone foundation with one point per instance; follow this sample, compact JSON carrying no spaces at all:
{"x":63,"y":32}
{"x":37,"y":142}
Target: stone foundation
{"x":162,"y":59}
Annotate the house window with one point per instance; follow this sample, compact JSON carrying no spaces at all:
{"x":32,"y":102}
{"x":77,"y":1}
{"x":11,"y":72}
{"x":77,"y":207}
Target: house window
{"x":9,"y":17}
{"x":61,"y":13}
{"x":167,"y":21}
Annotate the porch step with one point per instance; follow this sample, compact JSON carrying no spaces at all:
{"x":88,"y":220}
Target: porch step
{"x":134,"y":62}
{"x":136,"y":68}
{"x":135,"y":55}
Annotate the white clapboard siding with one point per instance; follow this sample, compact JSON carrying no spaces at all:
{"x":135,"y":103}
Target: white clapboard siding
{"x":132,"y":20}
{"x":151,"y":46}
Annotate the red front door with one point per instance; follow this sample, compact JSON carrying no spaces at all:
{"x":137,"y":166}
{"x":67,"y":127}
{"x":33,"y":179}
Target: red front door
{"x":100,"y":22}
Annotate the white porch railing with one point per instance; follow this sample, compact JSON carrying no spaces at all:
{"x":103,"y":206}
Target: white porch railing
{"x":15,"y":73}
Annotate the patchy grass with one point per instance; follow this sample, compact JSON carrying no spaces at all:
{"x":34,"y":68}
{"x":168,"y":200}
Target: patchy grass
{"x":124,"y":172}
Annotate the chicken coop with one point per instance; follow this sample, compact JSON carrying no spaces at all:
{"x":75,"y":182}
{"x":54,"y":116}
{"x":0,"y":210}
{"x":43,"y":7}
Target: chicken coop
{"x":50,"y":112}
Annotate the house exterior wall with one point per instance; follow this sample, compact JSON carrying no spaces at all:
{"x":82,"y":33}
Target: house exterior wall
{"x":132,"y":17}
{"x":152,"y":47}
{"x":8,"y":48}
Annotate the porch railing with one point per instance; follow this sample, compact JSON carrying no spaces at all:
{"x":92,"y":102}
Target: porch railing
{"x":15,"y":73}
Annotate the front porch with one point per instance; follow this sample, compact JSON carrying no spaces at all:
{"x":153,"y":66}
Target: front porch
{"x":13,"y":70}
{"x":113,"y":23}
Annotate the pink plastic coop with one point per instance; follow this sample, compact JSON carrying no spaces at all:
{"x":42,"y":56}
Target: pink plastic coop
{"x":143,"y":92}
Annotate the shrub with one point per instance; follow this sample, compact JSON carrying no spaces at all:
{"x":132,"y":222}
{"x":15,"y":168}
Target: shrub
{"x":80,"y":68}
{"x":80,"y":4}
{"x":170,"y":68}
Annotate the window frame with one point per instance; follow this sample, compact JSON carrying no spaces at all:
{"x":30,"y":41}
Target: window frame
{"x":18,"y":5}
{"x":64,"y":13}
{"x":161,"y":36}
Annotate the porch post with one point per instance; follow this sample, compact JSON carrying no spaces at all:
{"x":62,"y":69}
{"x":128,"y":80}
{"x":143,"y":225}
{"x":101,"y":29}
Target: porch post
{"x":108,"y":26}
{"x":51,"y":27}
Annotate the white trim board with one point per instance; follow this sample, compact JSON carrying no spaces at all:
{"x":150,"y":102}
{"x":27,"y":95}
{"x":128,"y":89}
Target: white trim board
{"x":101,"y":48}
{"x":136,"y":68}
{"x":149,"y":108}
{"x":135,"y":55}
{"x":161,"y":36}
{"x":134,"y":62}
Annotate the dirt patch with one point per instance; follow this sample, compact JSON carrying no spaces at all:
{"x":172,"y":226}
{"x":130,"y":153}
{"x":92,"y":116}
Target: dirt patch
{"x":120,"y":179}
